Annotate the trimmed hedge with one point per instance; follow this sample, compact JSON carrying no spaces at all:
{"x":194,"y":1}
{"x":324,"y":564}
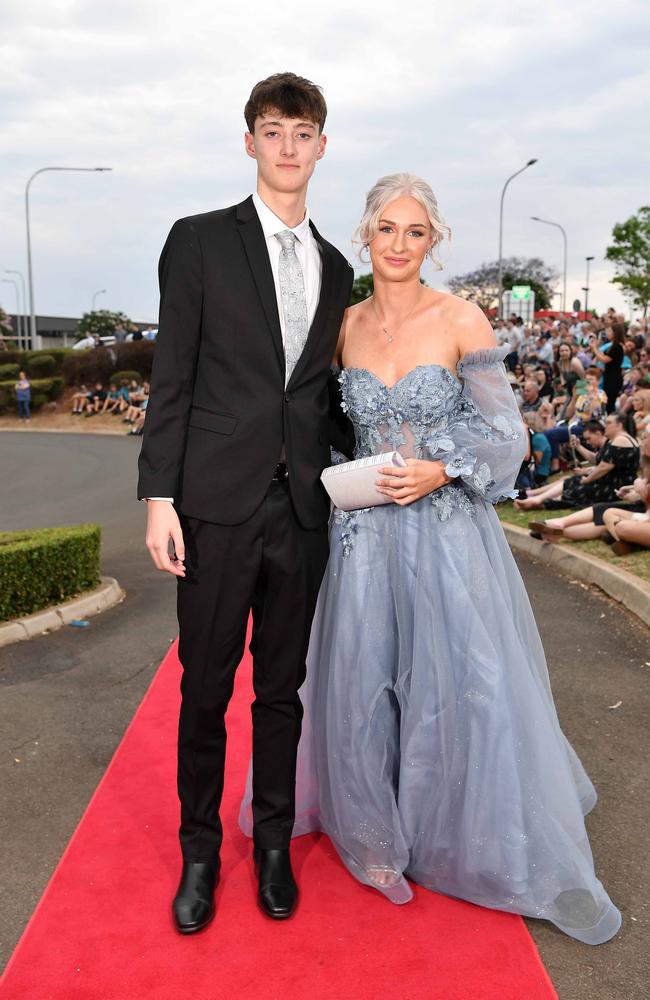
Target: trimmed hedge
{"x":41,"y":365}
{"x":120,"y":376}
{"x":99,"y":364}
{"x":46,"y":566}
{"x":8,"y":372}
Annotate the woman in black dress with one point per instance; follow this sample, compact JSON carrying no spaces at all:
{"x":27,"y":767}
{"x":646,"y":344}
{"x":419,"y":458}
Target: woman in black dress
{"x":612,"y":358}
{"x":615,"y":461}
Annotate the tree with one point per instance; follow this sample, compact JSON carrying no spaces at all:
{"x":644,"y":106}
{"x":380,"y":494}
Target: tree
{"x":362,"y":288}
{"x":6,"y":329}
{"x":482,"y":285}
{"x":630,"y":253}
{"x":101,"y":322}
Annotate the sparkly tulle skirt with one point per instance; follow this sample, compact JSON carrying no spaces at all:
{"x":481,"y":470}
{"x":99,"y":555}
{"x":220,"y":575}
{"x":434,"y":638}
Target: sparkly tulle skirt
{"x":431,"y":749}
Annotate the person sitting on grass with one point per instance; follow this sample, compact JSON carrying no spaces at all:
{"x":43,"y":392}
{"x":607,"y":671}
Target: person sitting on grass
{"x":631,"y":531}
{"x":112,"y":399}
{"x":138,"y":423}
{"x":95,"y":399}
{"x":134,"y":410}
{"x":79,"y":400}
{"x":614,"y":455}
{"x":589,"y":523}
{"x":122,"y":397}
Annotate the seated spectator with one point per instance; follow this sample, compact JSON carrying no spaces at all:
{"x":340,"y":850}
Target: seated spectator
{"x":137,"y":405}
{"x":540,"y":449}
{"x":112,"y":401}
{"x":138,"y":423}
{"x":122,"y":397}
{"x":641,"y":411}
{"x":544,"y":383}
{"x":629,"y":530}
{"x":95,"y":399}
{"x":532,"y":398}
{"x":79,"y":399}
{"x":614,"y":455}
{"x":589,"y":523}
{"x":588,"y":402}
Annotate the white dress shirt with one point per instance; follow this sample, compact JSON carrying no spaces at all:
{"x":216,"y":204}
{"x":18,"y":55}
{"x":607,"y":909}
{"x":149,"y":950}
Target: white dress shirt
{"x":307,"y":252}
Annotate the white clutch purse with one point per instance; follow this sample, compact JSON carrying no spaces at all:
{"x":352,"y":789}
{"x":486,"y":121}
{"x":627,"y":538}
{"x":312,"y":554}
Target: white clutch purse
{"x":353,"y":485}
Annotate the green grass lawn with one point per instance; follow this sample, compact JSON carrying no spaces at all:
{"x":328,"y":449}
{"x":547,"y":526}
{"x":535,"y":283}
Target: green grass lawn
{"x":637,"y":563}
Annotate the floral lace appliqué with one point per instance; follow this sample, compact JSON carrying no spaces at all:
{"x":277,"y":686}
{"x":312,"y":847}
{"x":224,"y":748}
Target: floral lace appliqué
{"x":348,"y":523}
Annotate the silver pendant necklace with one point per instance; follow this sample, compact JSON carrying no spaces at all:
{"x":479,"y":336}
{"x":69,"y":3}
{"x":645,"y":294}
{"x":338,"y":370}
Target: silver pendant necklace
{"x":391,"y":336}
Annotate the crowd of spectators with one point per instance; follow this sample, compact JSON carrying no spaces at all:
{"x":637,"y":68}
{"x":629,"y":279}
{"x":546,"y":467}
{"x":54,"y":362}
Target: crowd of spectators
{"x":129,"y":400}
{"x":583,"y":388}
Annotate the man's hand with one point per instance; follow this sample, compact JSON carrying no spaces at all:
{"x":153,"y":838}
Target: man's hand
{"x":405,"y":486}
{"x":163,"y":524}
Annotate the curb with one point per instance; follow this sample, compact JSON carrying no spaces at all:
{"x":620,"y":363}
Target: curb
{"x":624,"y":587}
{"x":93,"y":602}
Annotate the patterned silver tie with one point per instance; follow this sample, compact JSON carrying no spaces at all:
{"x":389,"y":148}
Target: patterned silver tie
{"x":294,"y":301}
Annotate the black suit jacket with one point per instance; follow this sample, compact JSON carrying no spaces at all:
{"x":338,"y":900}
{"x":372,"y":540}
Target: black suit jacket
{"x":218,"y":411}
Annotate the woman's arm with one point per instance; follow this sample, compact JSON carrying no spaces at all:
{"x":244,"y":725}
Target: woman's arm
{"x":598,"y":472}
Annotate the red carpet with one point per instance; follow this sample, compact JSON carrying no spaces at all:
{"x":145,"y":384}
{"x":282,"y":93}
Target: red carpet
{"x":102,"y":930}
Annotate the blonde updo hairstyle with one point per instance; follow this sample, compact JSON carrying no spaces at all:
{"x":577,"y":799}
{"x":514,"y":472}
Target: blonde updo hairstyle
{"x":395,"y":186}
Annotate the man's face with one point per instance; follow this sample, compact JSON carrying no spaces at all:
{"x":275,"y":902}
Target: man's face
{"x":531,"y":391}
{"x":286,"y":150}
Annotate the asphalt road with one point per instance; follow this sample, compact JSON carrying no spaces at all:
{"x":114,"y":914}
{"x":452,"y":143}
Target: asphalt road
{"x":67,"y":698}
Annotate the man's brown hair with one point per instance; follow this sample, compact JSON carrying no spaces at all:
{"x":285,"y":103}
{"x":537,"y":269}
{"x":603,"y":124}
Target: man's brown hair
{"x":293,"y":96}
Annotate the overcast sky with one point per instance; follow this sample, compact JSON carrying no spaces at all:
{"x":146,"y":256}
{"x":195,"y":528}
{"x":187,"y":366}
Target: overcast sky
{"x":461,"y":92}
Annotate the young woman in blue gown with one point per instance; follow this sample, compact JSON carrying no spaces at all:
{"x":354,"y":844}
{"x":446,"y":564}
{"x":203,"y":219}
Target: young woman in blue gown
{"x":431,"y":748}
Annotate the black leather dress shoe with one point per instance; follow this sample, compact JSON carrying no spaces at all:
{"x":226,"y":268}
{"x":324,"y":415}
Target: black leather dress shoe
{"x":278,"y":893}
{"x":193,"y":905}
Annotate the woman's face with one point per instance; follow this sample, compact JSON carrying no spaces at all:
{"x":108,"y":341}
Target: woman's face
{"x":612,"y":428}
{"x":609,"y":333}
{"x":403,"y":237}
{"x":591,"y":382}
{"x":519,"y":370}
{"x":565,"y":352}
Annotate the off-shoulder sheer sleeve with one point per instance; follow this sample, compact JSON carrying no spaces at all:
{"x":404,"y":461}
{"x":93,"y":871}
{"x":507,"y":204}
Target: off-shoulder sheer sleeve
{"x":487,"y":437}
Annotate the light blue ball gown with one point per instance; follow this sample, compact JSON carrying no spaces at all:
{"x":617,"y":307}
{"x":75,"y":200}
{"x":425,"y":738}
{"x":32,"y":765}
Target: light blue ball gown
{"x":431,"y":747}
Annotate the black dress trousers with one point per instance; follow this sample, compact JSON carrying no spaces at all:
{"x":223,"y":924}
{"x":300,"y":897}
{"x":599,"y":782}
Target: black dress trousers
{"x":271,"y":565}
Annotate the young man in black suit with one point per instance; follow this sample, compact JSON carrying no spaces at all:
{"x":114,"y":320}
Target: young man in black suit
{"x":238,"y":430}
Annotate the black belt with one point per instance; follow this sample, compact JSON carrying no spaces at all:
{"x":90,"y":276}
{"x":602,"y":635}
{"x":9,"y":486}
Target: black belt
{"x":281,"y":473}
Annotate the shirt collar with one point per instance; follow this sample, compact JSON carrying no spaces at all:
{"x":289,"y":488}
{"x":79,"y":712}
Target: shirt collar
{"x":271,"y":225}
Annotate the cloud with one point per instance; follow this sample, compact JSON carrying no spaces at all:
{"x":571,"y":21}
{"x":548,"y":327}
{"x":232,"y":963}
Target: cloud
{"x":461,"y":93}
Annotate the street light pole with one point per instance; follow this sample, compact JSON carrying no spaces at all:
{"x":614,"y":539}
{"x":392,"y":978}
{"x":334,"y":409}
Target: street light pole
{"x":102,"y":291}
{"x":23,"y":306}
{"x":30,"y":277}
{"x":503,"y":194}
{"x":19,"y":320}
{"x":586,"y":288}
{"x":557,"y":225}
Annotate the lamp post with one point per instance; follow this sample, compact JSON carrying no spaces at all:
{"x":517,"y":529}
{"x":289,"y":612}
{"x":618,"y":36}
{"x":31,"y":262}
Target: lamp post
{"x":586,"y":288}
{"x":19,"y":319}
{"x":30,"y":278}
{"x":557,"y":225}
{"x":102,"y":291}
{"x":503,"y":194}
{"x":23,"y":306}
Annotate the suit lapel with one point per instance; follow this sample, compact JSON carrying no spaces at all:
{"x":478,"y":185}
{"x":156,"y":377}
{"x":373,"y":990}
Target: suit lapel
{"x":250,"y":230}
{"x":324,"y":302}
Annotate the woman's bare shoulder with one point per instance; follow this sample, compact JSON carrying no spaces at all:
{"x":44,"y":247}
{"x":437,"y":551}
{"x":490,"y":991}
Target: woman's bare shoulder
{"x":471,"y":326}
